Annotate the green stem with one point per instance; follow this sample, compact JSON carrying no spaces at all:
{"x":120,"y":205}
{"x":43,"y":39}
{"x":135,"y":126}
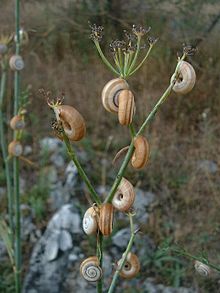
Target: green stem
{"x":116,"y":60}
{"x":126,"y":58}
{"x":4,"y":153}
{"x":104,"y":59}
{"x":135,"y":56}
{"x":124,"y":256}
{"x":100,"y":257}
{"x":146,"y":122}
{"x":73,"y":157}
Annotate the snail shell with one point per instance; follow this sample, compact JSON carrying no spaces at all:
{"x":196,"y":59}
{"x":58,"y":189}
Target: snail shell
{"x":15,"y":148}
{"x":131,"y":266}
{"x":17,"y":122}
{"x":90,"y":224}
{"x":90,"y":269}
{"x":73,"y":122}
{"x":3,"y":48}
{"x":141,"y":152}
{"x":126,"y":107}
{"x":202,"y":268}
{"x":124,"y":196}
{"x":187,"y":79}
{"x":106,"y":218}
{"x":111,"y":92}
{"x":16,"y":62}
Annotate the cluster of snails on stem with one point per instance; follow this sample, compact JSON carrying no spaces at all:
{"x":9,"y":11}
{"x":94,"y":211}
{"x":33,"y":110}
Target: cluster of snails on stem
{"x":117,"y":97}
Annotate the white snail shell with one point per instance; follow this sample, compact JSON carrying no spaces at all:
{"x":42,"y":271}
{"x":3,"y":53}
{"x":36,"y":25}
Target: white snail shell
{"x":131,"y":266}
{"x":187,"y":79}
{"x":15,"y":148}
{"x":3,"y":48}
{"x":111,"y":92}
{"x":124,"y":196}
{"x":17,"y":122}
{"x":90,"y":269}
{"x":203,"y":269}
{"x":16,"y":62}
{"x":90,"y":224}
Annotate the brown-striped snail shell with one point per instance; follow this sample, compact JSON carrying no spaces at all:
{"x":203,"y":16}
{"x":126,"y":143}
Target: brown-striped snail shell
{"x":15,"y":148}
{"x":126,"y":107}
{"x":111,"y":92}
{"x":124,"y":196}
{"x":90,"y":269}
{"x":16,"y":63}
{"x":106,"y":213}
{"x":3,"y":49}
{"x":201,"y":268}
{"x":90,"y":224}
{"x":17,"y":122}
{"x":141,"y":152}
{"x":72,"y":121}
{"x":186,"y":80}
{"x":131,"y":266}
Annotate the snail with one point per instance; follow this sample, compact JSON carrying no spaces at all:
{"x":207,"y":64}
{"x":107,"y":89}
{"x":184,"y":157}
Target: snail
{"x":72,"y":121}
{"x":90,"y":269}
{"x":106,"y":218}
{"x":3,"y":49}
{"x":186,"y":80}
{"x":110,"y":93}
{"x":202,"y":268}
{"x":90,"y":224}
{"x":126,"y":107}
{"x":15,"y":148}
{"x":17,"y":122}
{"x":141,"y":152}
{"x":131,"y":266}
{"x":16,"y":63}
{"x":124,"y":196}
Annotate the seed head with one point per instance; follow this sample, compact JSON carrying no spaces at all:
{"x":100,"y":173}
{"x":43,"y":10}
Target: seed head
{"x":139,"y":30}
{"x":97,"y":32}
{"x":189,"y":50}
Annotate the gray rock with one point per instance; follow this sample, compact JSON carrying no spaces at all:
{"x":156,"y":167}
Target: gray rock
{"x":50,"y":144}
{"x":71,"y":175}
{"x":49,"y":260}
{"x":143,"y":201}
{"x":57,"y":160}
{"x":121,"y":238}
{"x":208,"y":166}
{"x":27,"y":150}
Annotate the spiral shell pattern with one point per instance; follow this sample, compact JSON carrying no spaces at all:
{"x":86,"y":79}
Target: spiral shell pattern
{"x":90,"y":269}
{"x":131,"y":266}
{"x":90,"y":224}
{"x":187,"y":78}
{"x":111,"y":92}
{"x":124,"y":196}
{"x":16,"y":63}
{"x":202,"y":269}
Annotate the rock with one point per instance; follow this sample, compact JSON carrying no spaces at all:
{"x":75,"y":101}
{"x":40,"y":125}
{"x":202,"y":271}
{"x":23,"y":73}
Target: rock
{"x":121,"y":238}
{"x":207,"y":166}
{"x":71,"y":175}
{"x":49,"y":261}
{"x":50,"y":145}
{"x":143,"y":201}
{"x":27,"y":150}
{"x":57,"y":160}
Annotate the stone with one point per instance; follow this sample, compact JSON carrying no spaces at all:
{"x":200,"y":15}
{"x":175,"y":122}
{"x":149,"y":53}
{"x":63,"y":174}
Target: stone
{"x":57,"y":160}
{"x":27,"y":150}
{"x":143,"y":200}
{"x":50,"y":144}
{"x":207,"y":166}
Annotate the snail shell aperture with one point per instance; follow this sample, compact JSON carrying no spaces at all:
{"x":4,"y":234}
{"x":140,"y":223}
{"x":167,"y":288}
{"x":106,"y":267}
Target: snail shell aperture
{"x":131,"y":266}
{"x":16,"y":63}
{"x":90,"y":224}
{"x":111,"y":92}
{"x":203,"y":269}
{"x":124,"y":196}
{"x":141,"y":153}
{"x":106,"y":218}
{"x":90,"y":269}
{"x":15,"y":148}
{"x":17,"y":122}
{"x":187,"y":78}
{"x":73,"y":122}
{"x":126,"y":107}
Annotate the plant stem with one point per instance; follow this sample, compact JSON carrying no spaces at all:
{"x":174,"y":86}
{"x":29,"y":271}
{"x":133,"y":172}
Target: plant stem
{"x":124,"y":256}
{"x":146,"y":122}
{"x":16,"y":160}
{"x":104,"y":59}
{"x":100,"y":257}
{"x":135,"y":56}
{"x":73,"y":157}
{"x":4,"y":154}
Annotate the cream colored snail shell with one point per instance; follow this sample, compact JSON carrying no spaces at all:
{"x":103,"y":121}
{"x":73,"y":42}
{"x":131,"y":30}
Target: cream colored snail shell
{"x":141,"y":153}
{"x":124,"y":196}
{"x":111,"y":92}
{"x":90,"y":269}
{"x":203,"y":269}
{"x":16,"y":63}
{"x":131,"y":266}
{"x":15,"y":148}
{"x":3,"y":48}
{"x":106,"y":214}
{"x":90,"y":224}
{"x":187,"y":79}
{"x":126,"y":107}
{"x":17,"y":122}
{"x":73,"y":122}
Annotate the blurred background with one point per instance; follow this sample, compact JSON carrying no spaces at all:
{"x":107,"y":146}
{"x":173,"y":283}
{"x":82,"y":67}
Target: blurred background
{"x":182,"y":179}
